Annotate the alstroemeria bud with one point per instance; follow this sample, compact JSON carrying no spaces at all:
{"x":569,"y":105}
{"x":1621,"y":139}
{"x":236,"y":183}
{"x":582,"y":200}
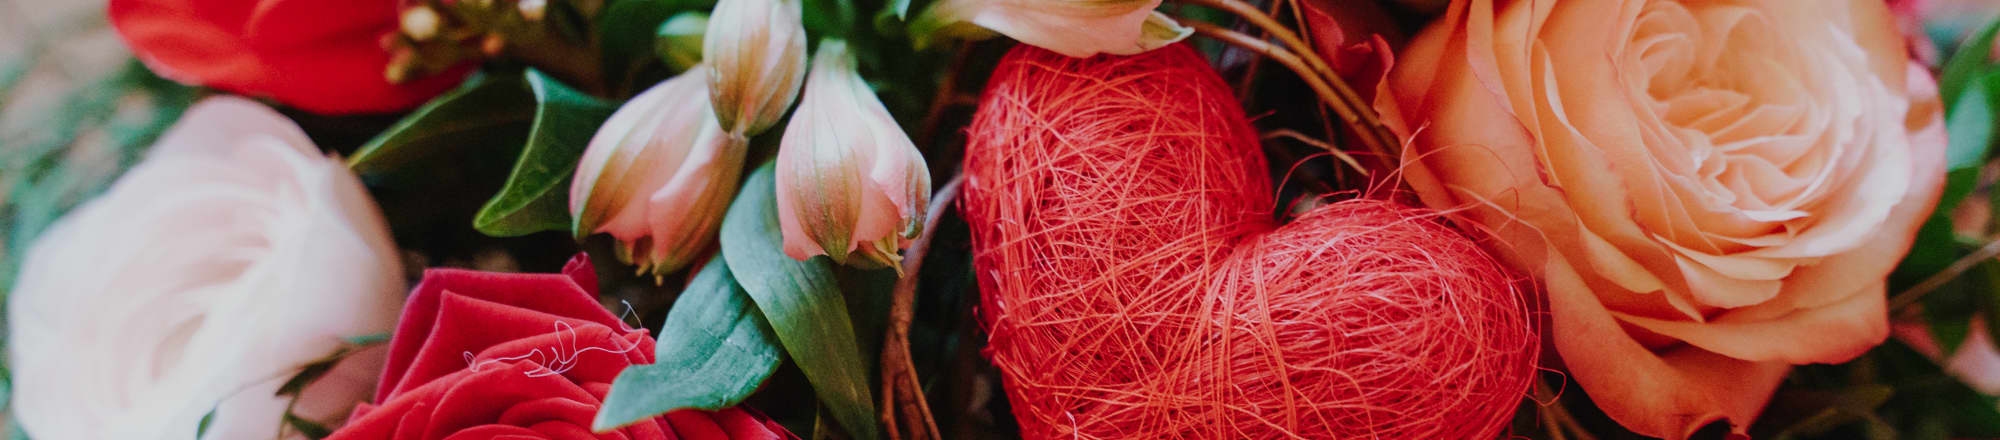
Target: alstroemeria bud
{"x":678,"y":41}
{"x":657,"y":176}
{"x":755,"y":52}
{"x":1078,"y":28}
{"x":850,"y":183}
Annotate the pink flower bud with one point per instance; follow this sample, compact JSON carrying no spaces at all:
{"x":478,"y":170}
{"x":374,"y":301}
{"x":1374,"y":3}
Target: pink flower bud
{"x":755,"y":52}
{"x":658,"y":176}
{"x":849,"y":180}
{"x":1078,"y":28}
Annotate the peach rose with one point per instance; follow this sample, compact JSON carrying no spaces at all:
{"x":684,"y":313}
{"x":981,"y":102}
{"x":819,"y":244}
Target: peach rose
{"x":1710,"y":191}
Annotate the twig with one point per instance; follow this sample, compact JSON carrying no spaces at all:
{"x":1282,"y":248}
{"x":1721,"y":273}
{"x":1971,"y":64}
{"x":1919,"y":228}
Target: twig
{"x":947,"y":92}
{"x":1290,"y":60}
{"x":1914,"y":293}
{"x":1360,"y":117}
{"x":1557,"y":416}
{"x":902,"y":394}
{"x":1330,"y":148}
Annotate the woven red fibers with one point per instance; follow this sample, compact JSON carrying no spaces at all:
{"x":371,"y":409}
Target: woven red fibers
{"x":1135,"y":286}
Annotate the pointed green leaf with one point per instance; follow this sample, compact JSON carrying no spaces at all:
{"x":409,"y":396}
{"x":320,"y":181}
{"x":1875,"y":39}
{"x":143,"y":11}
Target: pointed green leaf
{"x":1967,"y":64}
{"x":484,"y":110}
{"x":310,"y":429}
{"x":714,"y":350}
{"x":534,"y":198}
{"x":803,"y":303}
{"x":201,"y":428}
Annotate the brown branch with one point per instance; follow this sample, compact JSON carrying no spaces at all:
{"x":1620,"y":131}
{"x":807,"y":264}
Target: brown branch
{"x":1291,"y":60}
{"x":902,"y":393}
{"x":947,"y":93}
{"x":1957,"y":268}
{"x":1359,"y":114}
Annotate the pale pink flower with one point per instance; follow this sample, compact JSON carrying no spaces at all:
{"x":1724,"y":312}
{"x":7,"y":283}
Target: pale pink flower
{"x":658,"y":176}
{"x":201,"y":281}
{"x":755,"y":53}
{"x":849,"y":181}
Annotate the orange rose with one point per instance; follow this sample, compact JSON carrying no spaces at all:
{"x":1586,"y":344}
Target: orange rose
{"x":1710,"y":191}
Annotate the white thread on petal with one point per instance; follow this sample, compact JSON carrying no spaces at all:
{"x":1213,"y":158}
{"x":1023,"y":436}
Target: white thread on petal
{"x":559,"y":359}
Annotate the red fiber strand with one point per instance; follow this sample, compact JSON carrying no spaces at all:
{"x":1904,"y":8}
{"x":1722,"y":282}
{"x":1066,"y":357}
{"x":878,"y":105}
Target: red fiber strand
{"x":1134,"y":284}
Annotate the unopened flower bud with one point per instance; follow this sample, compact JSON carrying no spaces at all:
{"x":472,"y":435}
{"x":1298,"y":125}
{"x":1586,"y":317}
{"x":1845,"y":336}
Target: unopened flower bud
{"x":658,"y":176}
{"x":532,"y":10}
{"x":755,"y":52}
{"x":851,"y":185}
{"x":492,"y":45}
{"x":678,"y":41}
{"x":420,"y":23}
{"x":1078,"y":28}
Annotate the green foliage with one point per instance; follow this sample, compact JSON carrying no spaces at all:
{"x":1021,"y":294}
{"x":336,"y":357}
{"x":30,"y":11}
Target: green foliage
{"x":803,"y":302}
{"x":486,"y":110}
{"x":713,"y":351}
{"x":534,"y":198}
{"x":1969,"y":86}
{"x":626,"y":33}
{"x":201,"y":428}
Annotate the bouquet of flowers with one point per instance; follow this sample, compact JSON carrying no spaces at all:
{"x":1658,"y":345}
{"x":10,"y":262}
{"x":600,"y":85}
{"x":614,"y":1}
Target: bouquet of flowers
{"x":958,"y":219}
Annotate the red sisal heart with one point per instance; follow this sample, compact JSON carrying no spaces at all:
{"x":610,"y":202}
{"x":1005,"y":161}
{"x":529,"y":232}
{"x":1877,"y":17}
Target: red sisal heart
{"x":1135,"y":285}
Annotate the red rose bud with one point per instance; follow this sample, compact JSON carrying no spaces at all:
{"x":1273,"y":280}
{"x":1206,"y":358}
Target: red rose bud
{"x":323,"y":57}
{"x":499,"y":355}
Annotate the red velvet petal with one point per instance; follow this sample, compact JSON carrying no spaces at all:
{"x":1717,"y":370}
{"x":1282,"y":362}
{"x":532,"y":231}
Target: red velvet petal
{"x":553,"y":294}
{"x":319,"y":56}
{"x":481,"y":398}
{"x":695,"y":424}
{"x":467,"y":325}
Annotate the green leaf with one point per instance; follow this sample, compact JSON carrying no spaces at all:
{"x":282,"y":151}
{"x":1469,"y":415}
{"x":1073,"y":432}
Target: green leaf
{"x":626,"y":30}
{"x":485,"y":109}
{"x":202,"y":428}
{"x":310,"y":429}
{"x":1966,"y":65}
{"x":714,"y":350}
{"x":367,"y":340}
{"x":534,"y":198}
{"x":678,"y":42}
{"x":803,"y":303}
{"x":1970,"y":125}
{"x":828,"y":18}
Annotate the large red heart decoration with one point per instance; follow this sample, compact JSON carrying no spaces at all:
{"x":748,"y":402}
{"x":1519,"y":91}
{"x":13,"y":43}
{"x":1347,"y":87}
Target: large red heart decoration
{"x":1136,"y":285}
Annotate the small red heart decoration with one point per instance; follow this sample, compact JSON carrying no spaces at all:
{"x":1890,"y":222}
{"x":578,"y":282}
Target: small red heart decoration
{"x":1135,"y":284}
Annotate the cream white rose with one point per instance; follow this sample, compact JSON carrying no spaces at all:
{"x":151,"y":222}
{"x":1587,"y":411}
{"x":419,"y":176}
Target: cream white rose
{"x":204,"y":278}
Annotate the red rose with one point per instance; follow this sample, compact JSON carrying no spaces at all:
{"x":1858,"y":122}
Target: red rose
{"x":320,"y":56}
{"x":497,"y":355}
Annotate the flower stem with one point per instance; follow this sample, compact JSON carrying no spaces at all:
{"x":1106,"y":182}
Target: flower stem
{"x":1327,"y":93}
{"x":902,"y":393}
{"x":1957,"y":268}
{"x":1359,"y":115}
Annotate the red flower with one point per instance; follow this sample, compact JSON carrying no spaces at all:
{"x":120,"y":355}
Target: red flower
{"x":495,"y":355}
{"x":320,"y":56}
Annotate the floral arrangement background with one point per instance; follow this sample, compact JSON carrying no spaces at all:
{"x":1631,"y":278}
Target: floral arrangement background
{"x":745,"y":218}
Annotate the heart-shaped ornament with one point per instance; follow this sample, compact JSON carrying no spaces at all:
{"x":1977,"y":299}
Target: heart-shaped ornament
{"x":1135,"y":284}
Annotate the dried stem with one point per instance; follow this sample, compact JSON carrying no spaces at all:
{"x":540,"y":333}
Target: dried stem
{"x":902,"y":393}
{"x":1330,"y":148}
{"x":1914,"y":293}
{"x":1556,"y":416}
{"x":1290,"y":60}
{"x":1360,"y":117}
{"x":947,"y":91}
